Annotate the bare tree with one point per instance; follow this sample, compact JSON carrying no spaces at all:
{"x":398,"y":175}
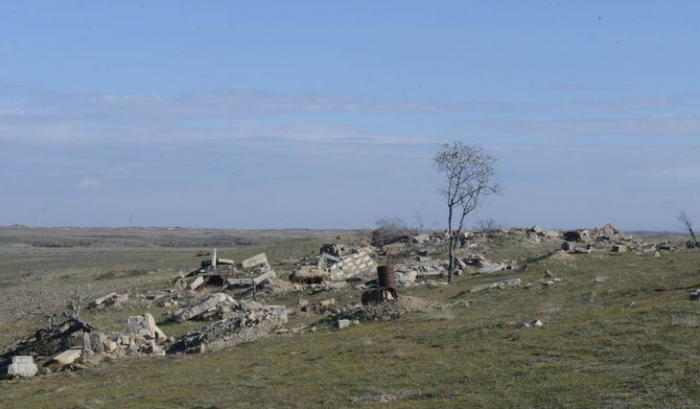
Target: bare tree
{"x":687,"y":224}
{"x":469,"y":177}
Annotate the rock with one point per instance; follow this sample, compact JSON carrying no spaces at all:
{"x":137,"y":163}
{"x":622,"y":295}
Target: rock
{"x":548,"y":283}
{"x":421,"y":238}
{"x":657,"y":254}
{"x":145,"y":326}
{"x":487,"y":268}
{"x":110,"y":346}
{"x":695,"y":295}
{"x":18,"y":367}
{"x":548,"y":274}
{"x":302,"y":303}
{"x":255,"y":261}
{"x":335,"y":250}
{"x":533,"y":323}
{"x":67,"y":357}
{"x":619,"y":248}
{"x":196,"y":283}
{"x":327,"y":302}
{"x":343,"y":324}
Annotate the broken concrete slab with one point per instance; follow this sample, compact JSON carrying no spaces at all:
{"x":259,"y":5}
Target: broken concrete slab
{"x":111,"y":299}
{"x":18,"y":367}
{"x":255,"y":261}
{"x":196,"y":283}
{"x":353,"y":265}
{"x":487,"y":268}
{"x":500,"y":284}
{"x":309,"y":275}
{"x":69,"y":356}
{"x":205,"y":309}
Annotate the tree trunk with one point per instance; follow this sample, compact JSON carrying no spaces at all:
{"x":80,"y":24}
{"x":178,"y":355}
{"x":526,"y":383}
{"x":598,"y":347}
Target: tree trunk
{"x":451,"y":245}
{"x":695,"y":240}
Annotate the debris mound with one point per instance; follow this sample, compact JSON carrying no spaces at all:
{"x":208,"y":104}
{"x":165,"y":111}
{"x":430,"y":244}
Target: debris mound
{"x":235,"y":328}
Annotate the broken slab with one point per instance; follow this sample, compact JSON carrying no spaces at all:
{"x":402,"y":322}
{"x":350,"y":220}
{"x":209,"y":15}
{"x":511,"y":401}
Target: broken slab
{"x":111,"y":299}
{"x":196,"y":283}
{"x":500,"y":284}
{"x":255,"y":261}
{"x":18,"y":367}
{"x":68,"y":356}
{"x":308,"y":275}
{"x":206,"y":308}
{"x":354,"y":265}
{"x":236,"y":327}
{"x":487,"y":268}
{"x":145,"y":326}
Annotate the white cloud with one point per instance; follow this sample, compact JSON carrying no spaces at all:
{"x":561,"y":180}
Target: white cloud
{"x":90,"y":183}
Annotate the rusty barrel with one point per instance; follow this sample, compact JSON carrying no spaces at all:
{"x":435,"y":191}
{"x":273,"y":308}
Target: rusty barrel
{"x":387,"y":277}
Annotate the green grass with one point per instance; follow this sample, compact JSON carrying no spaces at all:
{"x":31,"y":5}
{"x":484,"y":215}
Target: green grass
{"x":629,"y":341}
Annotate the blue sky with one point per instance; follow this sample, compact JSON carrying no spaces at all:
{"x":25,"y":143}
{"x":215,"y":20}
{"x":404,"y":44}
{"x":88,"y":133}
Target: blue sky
{"x":327,"y":114}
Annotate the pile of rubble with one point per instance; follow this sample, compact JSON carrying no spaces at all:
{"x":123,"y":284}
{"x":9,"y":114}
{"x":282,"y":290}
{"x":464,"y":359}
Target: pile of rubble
{"x":234,"y":327}
{"x":384,"y":311}
{"x":337,"y":263}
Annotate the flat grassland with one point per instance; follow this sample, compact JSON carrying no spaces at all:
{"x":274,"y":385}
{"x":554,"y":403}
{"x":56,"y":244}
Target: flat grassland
{"x":619,"y":331}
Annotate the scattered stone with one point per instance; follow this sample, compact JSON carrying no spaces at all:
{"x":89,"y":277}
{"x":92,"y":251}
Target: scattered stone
{"x":657,"y":254}
{"x":548,"y":274}
{"x":344,"y":323}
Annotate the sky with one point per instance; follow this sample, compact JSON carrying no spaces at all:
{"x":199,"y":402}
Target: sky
{"x":319,"y":114}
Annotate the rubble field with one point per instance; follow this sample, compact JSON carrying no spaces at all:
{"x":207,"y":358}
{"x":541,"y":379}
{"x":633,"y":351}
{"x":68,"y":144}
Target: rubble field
{"x":351,"y":318}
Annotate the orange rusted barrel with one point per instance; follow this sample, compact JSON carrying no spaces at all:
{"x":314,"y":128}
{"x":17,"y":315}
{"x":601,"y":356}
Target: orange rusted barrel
{"x":387,"y":277}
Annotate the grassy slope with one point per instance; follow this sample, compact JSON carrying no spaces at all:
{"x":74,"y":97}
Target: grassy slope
{"x":611,"y":344}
